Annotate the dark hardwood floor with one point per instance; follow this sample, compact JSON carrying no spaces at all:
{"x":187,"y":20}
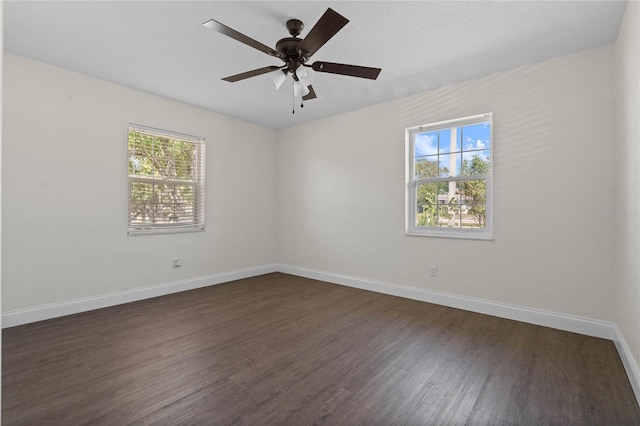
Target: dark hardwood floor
{"x":279,"y":349}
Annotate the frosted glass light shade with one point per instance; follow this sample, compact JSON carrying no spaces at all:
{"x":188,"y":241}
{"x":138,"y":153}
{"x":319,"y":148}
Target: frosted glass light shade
{"x":299,"y":90}
{"x":277,"y":78}
{"x":306,"y":76}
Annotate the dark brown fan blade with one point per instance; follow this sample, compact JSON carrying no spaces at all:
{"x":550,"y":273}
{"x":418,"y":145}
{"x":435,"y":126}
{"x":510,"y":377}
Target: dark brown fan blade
{"x":344,"y":69}
{"x":326,"y":27}
{"x":249,"y":74}
{"x":310,"y":95}
{"x":230,"y":32}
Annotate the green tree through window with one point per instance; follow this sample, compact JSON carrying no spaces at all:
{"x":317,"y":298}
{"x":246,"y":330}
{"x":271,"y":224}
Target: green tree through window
{"x":474,"y":193}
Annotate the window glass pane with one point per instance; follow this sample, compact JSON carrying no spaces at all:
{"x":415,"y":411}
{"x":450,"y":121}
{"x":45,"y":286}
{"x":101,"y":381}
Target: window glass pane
{"x":486,"y":157}
{"x":161,"y":157}
{"x":141,"y":193}
{"x":184,"y":158}
{"x":141,"y":200}
{"x":134,"y":165}
{"x":475,"y":163}
{"x":445,"y":141}
{"x":473,"y":199}
{"x":426,"y":204}
{"x":438,"y":204}
{"x":454,"y":212}
{"x":185,"y":213}
{"x":426,"y":167}
{"x":453,"y":204}
{"x":425,"y":144}
{"x":449,"y":164}
{"x":140,"y":166}
{"x":443,"y":216}
{"x":476,"y":136}
{"x":138,"y":214}
{"x":164,"y":213}
{"x":160,"y":193}
{"x":446,"y":192}
{"x":184,"y":194}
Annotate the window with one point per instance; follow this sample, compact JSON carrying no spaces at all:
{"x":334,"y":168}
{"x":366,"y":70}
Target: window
{"x":449,"y":178}
{"x":166,"y":181}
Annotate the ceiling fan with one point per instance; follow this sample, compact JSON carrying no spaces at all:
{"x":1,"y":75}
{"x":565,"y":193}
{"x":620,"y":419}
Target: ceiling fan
{"x":295,"y":52}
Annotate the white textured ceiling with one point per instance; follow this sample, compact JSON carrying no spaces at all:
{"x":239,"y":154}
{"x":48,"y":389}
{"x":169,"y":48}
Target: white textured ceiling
{"x":161,"y":47}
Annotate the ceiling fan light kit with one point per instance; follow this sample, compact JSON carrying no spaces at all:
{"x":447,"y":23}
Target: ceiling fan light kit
{"x":277,"y":78}
{"x":295,"y":52}
{"x":299,"y":90}
{"x":306,"y":75}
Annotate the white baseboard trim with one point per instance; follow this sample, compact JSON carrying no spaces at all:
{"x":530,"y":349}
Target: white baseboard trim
{"x":586,"y":326}
{"x":575,"y":324}
{"x":565,"y":322}
{"x":44,"y":312}
{"x":628,"y":360}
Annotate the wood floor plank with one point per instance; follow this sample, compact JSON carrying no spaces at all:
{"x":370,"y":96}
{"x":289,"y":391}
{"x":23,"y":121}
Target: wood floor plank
{"x":279,"y":349}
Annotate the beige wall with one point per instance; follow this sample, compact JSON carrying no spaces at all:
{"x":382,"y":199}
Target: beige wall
{"x":627,"y":188}
{"x":328,"y":195}
{"x":341,"y":190}
{"x":65,"y":189}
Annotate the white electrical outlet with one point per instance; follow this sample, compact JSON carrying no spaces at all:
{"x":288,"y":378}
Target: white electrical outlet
{"x":433,"y":271}
{"x":177,"y":263}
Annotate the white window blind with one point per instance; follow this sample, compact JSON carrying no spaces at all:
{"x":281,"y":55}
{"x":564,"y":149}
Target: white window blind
{"x":166,"y":181}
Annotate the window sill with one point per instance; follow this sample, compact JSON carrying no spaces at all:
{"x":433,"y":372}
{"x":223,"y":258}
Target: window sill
{"x":164,"y":231}
{"x":460,"y":236}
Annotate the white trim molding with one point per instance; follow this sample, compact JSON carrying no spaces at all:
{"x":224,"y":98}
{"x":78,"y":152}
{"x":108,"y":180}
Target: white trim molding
{"x":589,"y":327}
{"x":564,"y":322}
{"x":575,"y":324}
{"x":628,"y":361}
{"x":54,"y":310}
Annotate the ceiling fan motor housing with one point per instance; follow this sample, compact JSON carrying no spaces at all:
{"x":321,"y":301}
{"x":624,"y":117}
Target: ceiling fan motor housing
{"x":288,"y":46}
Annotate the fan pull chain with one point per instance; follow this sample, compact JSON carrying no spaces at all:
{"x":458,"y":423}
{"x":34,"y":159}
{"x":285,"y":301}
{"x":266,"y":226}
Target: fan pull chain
{"x":293,"y":109}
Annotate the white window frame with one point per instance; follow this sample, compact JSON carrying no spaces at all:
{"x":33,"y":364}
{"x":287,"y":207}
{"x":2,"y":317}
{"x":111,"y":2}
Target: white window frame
{"x":198,"y":183}
{"x":412,"y":183}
